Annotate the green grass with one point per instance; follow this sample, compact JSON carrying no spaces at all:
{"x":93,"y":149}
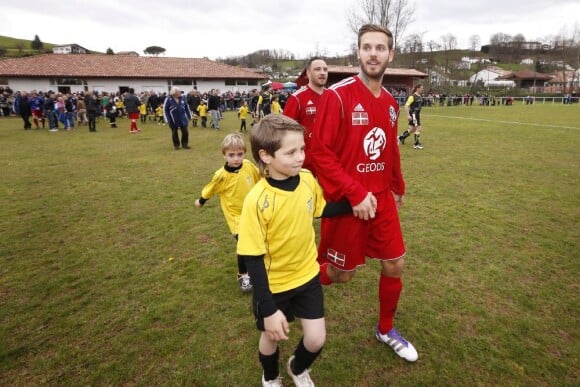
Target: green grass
{"x":18,"y":47}
{"x":110,"y":275}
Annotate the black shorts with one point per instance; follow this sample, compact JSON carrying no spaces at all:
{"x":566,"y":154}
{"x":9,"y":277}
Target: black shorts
{"x":306,"y":301}
{"x":415,"y":119}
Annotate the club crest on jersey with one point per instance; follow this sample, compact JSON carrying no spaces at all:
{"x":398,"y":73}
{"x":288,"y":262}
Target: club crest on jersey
{"x":392,"y":114}
{"x":360,"y":118}
{"x":375,"y":142}
{"x":311,"y":110}
{"x":265,"y":204}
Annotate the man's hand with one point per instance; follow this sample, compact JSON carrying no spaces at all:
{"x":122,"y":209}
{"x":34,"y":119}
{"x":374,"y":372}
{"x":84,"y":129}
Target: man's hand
{"x":366,"y":209}
{"x":398,"y":200}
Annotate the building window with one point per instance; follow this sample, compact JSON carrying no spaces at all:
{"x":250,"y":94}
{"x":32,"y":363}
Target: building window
{"x":182,"y":83}
{"x":68,"y":81}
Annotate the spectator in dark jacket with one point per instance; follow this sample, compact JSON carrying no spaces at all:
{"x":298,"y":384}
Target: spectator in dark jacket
{"x":193,"y":100}
{"x":213,"y":105}
{"x":177,"y":115}
{"x":93,"y":110}
{"x":22,"y":108}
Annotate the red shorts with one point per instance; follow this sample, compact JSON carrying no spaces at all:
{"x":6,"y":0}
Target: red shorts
{"x":133,"y":116}
{"x":346,"y":241}
{"x":37,"y":113}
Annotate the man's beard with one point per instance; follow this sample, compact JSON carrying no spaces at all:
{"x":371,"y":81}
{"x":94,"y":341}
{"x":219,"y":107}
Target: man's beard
{"x":374,"y":76}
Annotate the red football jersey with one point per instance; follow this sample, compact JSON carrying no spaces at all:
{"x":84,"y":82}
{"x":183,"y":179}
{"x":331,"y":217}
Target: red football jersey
{"x":302,"y":107}
{"x":354,"y":146}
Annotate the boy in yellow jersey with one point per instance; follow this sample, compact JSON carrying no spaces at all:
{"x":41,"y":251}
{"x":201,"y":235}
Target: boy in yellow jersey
{"x":159,"y":115}
{"x":202,"y":110}
{"x":276,"y":107}
{"x":277,"y":241}
{"x":232,"y":182}
{"x":120,"y":106}
{"x":143,"y":113}
{"x":243,"y":115}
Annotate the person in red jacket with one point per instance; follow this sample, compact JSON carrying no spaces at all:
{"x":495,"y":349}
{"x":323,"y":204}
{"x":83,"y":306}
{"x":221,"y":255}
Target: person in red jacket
{"x":356,"y":157}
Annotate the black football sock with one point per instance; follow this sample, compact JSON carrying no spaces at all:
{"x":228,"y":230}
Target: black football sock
{"x":303,"y":358}
{"x":270,"y":365}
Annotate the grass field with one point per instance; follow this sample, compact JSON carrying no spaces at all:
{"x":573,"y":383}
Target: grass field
{"x":110,"y":275}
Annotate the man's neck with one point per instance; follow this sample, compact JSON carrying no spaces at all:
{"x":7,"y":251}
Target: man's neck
{"x":316,"y":88}
{"x":373,"y":84}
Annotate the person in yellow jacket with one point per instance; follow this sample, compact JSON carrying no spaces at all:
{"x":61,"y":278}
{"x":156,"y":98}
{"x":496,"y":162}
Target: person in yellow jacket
{"x":159,"y":115}
{"x":243,"y":115}
{"x":143,"y":113}
{"x":202,"y":110}
{"x":276,"y":107}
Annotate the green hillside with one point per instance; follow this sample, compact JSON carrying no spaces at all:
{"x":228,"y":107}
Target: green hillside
{"x":13,"y":47}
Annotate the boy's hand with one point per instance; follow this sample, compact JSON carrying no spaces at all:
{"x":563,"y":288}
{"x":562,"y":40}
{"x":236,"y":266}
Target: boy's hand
{"x":277,"y":326}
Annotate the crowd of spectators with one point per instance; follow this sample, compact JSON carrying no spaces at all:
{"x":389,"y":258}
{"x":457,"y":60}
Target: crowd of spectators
{"x":55,"y":109}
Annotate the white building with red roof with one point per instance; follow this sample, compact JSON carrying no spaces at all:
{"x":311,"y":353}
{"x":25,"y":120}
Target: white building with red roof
{"x":113,"y":73}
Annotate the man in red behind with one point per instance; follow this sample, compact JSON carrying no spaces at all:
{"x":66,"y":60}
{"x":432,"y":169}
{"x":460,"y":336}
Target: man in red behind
{"x":356,"y":157}
{"x":303,"y":104}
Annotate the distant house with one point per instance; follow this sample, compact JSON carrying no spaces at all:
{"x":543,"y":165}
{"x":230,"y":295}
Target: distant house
{"x":525,"y":79}
{"x":117,"y":73}
{"x":491,"y":73}
{"x":475,"y":60}
{"x":438,"y":77}
{"x":461,"y":65}
{"x":564,"y":82}
{"x":69,"y":49}
{"x":134,"y":53}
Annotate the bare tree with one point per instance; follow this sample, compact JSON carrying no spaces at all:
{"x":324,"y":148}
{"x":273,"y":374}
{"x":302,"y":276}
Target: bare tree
{"x":500,"y":37}
{"x":396,"y":15}
{"x":433,"y":46}
{"x":474,"y":42}
{"x":414,"y":46}
{"x":567,"y":47}
{"x":449,"y":42}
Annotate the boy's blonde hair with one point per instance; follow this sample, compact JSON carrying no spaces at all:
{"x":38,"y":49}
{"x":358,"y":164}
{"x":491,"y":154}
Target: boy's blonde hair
{"x":267,"y":135}
{"x":233,"y":141}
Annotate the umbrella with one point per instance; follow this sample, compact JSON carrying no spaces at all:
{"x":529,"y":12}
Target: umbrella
{"x":276,"y":85}
{"x":290,"y":85}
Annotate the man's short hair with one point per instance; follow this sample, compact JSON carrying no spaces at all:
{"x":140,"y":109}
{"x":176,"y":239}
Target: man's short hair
{"x":375,"y":28}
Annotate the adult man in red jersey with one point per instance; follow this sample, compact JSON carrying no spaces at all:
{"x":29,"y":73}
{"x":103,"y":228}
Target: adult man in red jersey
{"x":303,"y":104}
{"x":356,"y":157}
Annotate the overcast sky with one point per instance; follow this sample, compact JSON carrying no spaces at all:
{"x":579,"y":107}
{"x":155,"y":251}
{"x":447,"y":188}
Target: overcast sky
{"x":223,"y":28}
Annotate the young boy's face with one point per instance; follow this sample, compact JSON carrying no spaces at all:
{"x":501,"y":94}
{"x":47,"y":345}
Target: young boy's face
{"x":234,"y":157}
{"x":287,"y":161}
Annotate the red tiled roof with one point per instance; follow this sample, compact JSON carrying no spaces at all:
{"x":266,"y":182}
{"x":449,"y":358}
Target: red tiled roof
{"x":119,"y":66}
